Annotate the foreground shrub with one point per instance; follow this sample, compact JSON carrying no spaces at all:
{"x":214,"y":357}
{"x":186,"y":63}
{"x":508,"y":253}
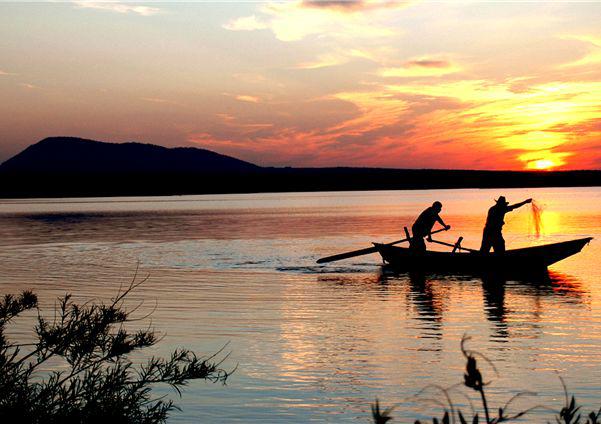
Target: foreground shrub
{"x":94,"y":381}
{"x":569,"y":413}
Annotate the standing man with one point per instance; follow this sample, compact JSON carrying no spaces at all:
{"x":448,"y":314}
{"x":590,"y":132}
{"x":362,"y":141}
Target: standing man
{"x":423,"y":226}
{"x":493,"y":230}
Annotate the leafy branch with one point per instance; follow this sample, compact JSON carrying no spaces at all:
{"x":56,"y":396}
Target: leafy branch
{"x":96,"y":381}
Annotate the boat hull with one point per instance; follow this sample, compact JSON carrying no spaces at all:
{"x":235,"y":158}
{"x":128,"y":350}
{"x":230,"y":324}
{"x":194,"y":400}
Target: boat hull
{"x":517,"y":261}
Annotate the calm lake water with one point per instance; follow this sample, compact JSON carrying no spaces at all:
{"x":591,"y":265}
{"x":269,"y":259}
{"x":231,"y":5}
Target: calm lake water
{"x":320,"y":343}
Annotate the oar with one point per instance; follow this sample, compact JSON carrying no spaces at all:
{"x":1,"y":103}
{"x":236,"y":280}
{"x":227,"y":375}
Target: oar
{"x":454,"y":246}
{"x":365,"y":251}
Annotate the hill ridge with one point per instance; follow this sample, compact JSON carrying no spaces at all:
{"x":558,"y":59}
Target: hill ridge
{"x":65,"y":155}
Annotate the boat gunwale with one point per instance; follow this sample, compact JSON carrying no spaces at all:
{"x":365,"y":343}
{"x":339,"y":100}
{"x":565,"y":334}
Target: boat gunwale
{"x":520,"y":252}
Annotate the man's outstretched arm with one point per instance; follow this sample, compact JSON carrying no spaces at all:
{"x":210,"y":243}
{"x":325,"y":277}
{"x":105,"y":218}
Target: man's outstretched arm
{"x":519,"y":205}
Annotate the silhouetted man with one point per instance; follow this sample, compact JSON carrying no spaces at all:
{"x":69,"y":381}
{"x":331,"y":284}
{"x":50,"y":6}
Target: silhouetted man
{"x":493,"y":230}
{"x":423,"y":226}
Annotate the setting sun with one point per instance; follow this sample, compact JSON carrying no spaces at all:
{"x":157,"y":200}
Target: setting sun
{"x":542,"y":164}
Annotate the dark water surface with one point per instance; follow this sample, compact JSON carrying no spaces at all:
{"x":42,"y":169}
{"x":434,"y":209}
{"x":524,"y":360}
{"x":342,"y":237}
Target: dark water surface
{"x":319,"y":343}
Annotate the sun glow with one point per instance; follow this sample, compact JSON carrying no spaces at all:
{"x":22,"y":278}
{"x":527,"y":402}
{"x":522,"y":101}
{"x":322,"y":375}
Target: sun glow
{"x":543,"y":160}
{"x":542,"y":164}
{"x":550,"y":223}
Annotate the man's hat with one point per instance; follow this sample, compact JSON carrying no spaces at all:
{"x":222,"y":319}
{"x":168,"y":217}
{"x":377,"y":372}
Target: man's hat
{"x":502,"y":199}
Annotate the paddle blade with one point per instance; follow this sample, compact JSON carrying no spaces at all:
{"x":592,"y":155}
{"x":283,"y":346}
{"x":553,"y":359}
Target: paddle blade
{"x":345,"y":255}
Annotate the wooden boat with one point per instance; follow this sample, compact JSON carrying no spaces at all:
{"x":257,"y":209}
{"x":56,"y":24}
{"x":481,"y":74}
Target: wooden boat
{"x":515,"y":261}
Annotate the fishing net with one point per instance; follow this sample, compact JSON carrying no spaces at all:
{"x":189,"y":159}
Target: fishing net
{"x":536,"y":218}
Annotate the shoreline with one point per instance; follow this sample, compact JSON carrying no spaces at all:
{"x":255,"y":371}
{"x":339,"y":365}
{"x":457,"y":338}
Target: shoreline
{"x":279,"y":180}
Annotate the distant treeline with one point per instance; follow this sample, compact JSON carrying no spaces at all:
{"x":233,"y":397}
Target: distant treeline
{"x":45,"y":184}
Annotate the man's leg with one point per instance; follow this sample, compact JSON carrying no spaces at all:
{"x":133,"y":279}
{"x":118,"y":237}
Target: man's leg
{"x":499,"y":244}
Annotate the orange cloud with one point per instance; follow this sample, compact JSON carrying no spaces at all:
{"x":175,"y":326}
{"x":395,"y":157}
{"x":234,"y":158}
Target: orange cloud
{"x":340,"y":56}
{"x":342,"y":5}
{"x":423,"y":67}
{"x":247,"y":23}
{"x":521,"y":121}
{"x":28,"y":86}
{"x":159,"y":100}
{"x":246,"y":98}
{"x":118,"y":7}
{"x":293,"y":21}
{"x":447,"y":124}
{"x":352,"y":5}
{"x":428,"y":63}
{"x":324,"y":61}
{"x":592,"y":57}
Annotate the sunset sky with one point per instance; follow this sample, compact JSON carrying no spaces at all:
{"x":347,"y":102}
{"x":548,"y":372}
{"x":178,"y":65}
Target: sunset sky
{"x":415,"y":84}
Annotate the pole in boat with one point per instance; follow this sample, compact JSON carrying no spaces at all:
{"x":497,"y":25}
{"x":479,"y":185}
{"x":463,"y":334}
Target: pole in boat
{"x":455,"y":246}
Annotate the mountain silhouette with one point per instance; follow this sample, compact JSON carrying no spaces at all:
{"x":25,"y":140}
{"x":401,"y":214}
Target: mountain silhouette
{"x":71,"y":155}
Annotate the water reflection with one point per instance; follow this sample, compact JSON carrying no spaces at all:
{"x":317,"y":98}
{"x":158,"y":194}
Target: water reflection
{"x":493,"y":292}
{"x":568,"y":286}
{"x":430,"y":294}
{"x":427,"y":303}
